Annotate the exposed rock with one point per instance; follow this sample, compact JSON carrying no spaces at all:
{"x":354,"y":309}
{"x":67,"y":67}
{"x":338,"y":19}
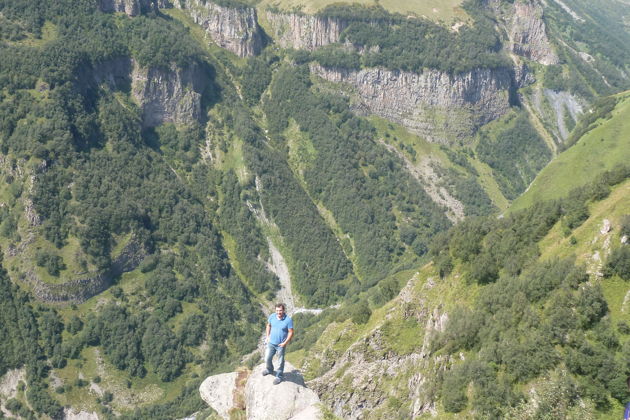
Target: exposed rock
{"x":81,"y":415}
{"x":114,"y":73}
{"x":358,"y":384}
{"x":305,"y":32}
{"x":218,"y":392}
{"x":528,"y":35}
{"x":233,"y":28}
{"x":169,"y":95}
{"x":624,"y":239}
{"x":429,"y":179}
{"x":289,"y":400}
{"x":606,"y":227}
{"x":131,"y":7}
{"x":441,"y":107}
{"x":80,"y":290}
{"x":563,"y":102}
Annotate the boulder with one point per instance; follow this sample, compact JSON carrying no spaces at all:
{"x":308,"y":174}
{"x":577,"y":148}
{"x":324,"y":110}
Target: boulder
{"x":218,"y":392}
{"x":289,"y":400}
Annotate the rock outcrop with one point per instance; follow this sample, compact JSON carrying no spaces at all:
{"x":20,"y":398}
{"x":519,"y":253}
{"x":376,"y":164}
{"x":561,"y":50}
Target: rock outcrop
{"x":81,"y":289}
{"x":289,"y":400}
{"x":358,"y":383}
{"x":233,"y":28}
{"x":441,"y":107}
{"x":131,"y":7}
{"x":305,"y":32}
{"x":169,"y":95}
{"x":528,"y":35}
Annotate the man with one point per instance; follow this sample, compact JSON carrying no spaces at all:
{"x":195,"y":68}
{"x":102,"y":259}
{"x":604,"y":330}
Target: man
{"x":279,"y":333}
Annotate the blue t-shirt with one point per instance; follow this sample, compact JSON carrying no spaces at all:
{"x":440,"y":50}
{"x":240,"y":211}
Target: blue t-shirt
{"x":279,"y":328}
{"x":626,"y":414}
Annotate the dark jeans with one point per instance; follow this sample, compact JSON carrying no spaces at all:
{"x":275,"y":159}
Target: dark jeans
{"x":271,"y":350}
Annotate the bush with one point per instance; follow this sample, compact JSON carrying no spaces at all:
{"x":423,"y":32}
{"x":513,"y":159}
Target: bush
{"x":618,"y":263}
{"x":361,"y":313}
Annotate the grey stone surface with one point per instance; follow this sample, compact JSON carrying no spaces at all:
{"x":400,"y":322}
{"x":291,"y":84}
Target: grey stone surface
{"x":441,"y":107}
{"x":218,"y":392}
{"x":287,"y":400}
{"x":168,"y":95}
{"x":305,"y":32}
{"x":233,"y":28}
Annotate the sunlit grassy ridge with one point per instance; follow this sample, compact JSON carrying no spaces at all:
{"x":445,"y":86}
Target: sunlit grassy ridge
{"x":600,"y":149}
{"x":444,"y":10}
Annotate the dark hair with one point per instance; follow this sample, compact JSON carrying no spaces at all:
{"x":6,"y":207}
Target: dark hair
{"x":284,"y":308}
{"x":628,"y":381}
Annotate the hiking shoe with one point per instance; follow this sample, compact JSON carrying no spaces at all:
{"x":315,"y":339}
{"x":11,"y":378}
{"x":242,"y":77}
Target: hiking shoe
{"x":277,"y":381}
{"x":266,"y":372}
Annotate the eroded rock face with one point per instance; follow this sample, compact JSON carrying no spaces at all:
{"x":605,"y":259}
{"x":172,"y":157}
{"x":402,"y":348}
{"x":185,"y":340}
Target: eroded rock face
{"x":306,"y":32}
{"x":169,"y":95}
{"x":441,"y":107}
{"x":131,"y":7}
{"x":528,"y":36}
{"x":289,"y":400}
{"x":233,"y":28}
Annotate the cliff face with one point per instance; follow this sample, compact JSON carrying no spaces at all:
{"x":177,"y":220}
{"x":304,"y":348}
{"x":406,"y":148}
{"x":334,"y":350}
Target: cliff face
{"x":131,"y":7}
{"x":172,"y":95}
{"x":442,"y":108}
{"x":235,"y":29}
{"x":527,"y":33}
{"x":306,"y":32}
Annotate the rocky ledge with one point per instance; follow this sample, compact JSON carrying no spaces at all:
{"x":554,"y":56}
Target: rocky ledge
{"x":255,"y":394}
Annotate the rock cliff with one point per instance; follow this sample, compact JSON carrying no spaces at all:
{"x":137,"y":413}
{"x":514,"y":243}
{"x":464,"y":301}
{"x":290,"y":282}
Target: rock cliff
{"x":441,"y":107}
{"x":233,"y":28}
{"x":131,"y":7}
{"x":306,"y":32}
{"x":235,"y":391}
{"x":169,"y":95}
{"x":526,"y":30}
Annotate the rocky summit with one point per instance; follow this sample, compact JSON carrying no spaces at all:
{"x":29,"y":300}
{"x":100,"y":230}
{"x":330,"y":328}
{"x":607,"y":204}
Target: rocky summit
{"x":255,"y":394}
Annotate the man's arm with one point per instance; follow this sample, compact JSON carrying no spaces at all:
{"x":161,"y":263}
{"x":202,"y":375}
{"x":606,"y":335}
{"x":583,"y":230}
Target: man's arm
{"x":289,"y":337}
{"x":268,"y":332}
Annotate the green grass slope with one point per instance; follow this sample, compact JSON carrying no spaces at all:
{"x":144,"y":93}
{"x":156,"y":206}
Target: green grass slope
{"x":444,"y":10}
{"x":546,"y":334}
{"x":600,"y":149}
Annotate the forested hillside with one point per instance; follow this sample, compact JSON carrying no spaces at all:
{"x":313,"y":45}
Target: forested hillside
{"x":169,"y":170}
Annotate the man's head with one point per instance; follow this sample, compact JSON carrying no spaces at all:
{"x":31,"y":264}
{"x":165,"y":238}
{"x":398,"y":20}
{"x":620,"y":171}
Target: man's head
{"x":280,"y":308}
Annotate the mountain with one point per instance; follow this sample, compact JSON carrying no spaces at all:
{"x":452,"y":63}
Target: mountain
{"x":169,"y":170}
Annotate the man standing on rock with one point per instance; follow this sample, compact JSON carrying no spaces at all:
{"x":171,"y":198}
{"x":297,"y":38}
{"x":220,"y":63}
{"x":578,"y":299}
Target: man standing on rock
{"x":279,"y":333}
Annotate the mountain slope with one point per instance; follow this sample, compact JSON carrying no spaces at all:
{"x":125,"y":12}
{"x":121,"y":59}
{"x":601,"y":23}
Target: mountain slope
{"x":602,"y":146}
